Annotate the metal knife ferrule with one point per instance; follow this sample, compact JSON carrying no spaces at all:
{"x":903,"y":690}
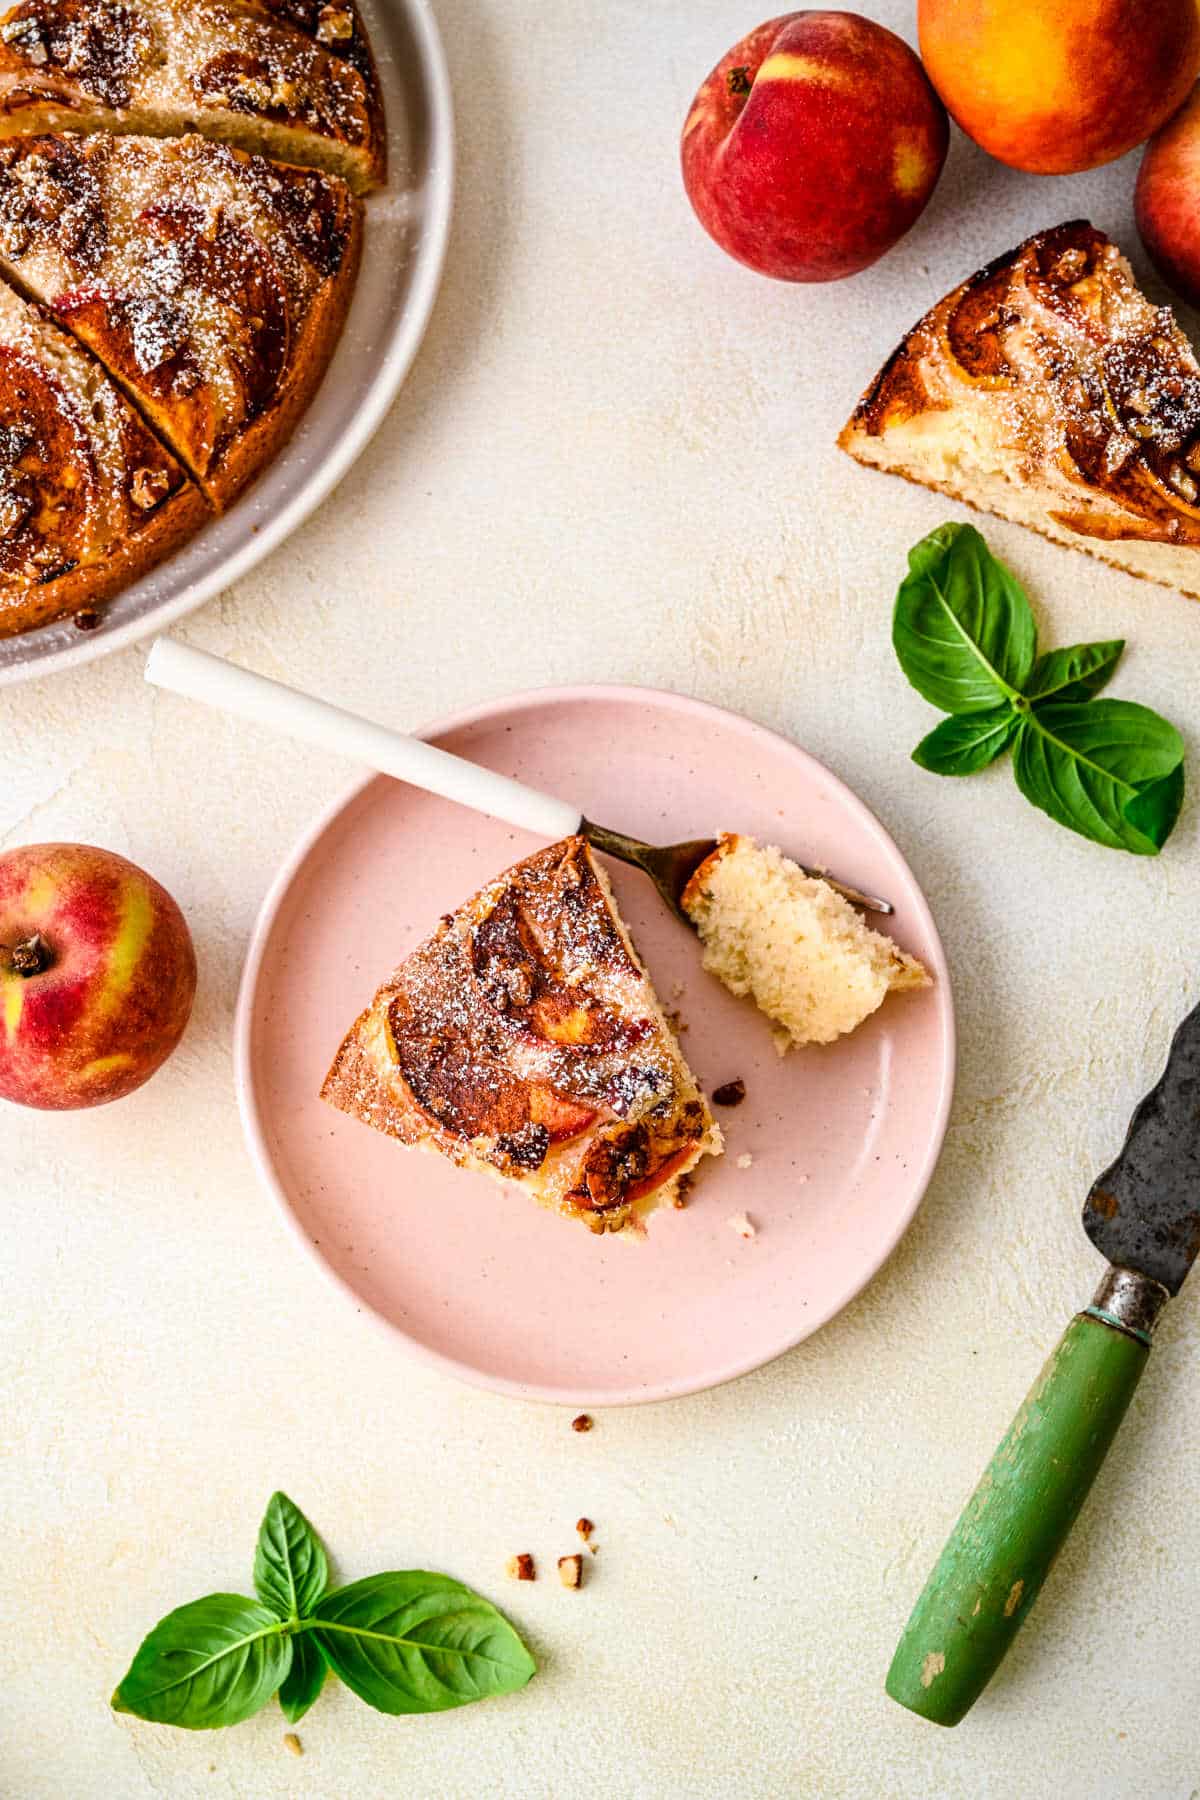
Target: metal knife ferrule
{"x":1129,"y":1302}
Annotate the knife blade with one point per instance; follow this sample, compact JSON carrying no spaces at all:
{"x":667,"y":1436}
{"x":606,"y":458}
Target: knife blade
{"x":1143,"y":1215}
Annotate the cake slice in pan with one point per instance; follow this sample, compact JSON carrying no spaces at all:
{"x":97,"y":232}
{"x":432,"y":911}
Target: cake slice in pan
{"x":212,"y":284}
{"x":1049,"y":390}
{"x":163,"y":67}
{"x":89,"y":500}
{"x":524,"y":1039}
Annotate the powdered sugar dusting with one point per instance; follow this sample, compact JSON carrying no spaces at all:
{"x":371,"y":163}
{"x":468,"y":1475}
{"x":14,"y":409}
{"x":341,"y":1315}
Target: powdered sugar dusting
{"x":522,"y":1036}
{"x":185,"y":264}
{"x":160,"y":67}
{"x":1076,"y":384}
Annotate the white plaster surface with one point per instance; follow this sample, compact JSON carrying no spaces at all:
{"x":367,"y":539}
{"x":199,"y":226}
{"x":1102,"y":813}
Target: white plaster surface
{"x":613,"y":460}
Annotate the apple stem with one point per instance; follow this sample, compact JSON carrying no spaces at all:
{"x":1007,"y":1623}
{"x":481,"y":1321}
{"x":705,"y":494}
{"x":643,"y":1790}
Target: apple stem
{"x":29,"y":957}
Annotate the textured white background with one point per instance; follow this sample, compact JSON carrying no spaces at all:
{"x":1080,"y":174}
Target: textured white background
{"x":614,"y":460}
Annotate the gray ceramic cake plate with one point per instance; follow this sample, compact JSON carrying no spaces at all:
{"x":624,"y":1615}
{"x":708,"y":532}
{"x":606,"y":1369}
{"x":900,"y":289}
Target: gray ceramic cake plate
{"x":403,"y":251}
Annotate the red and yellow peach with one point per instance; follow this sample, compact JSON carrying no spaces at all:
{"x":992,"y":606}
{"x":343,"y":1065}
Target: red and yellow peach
{"x":97,"y":976}
{"x":1167,"y":200}
{"x":813,"y":146}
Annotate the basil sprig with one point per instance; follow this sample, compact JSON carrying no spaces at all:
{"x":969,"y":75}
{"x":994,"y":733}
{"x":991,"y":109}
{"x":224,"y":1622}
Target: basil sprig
{"x":404,"y":1642}
{"x":966,"y":638}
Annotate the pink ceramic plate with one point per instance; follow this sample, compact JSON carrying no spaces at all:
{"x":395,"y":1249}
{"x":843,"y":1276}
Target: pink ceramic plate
{"x":473,"y":1276}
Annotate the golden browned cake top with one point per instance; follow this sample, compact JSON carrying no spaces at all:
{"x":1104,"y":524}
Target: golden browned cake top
{"x":79,"y":472}
{"x":188,"y":267}
{"x":1089,"y":384}
{"x":524,"y":1028}
{"x":168,"y":65}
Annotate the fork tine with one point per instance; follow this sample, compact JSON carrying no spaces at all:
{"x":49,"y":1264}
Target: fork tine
{"x":671,"y":866}
{"x":873,"y":903}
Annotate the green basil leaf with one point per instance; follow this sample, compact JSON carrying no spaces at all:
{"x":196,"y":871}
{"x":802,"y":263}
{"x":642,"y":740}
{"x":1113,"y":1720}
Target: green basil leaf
{"x":1108,"y":769}
{"x":1155,"y":808}
{"x":417,"y":1643}
{"x":962,"y":629}
{"x":215,"y":1661}
{"x":305,"y":1678}
{"x":290,"y":1570}
{"x":1077,"y":673}
{"x":967,"y":742}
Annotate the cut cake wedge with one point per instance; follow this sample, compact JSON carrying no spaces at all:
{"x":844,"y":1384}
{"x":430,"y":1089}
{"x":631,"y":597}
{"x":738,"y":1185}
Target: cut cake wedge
{"x":89,"y":500}
{"x":524,"y":1039}
{"x":161,"y":68}
{"x":1049,"y":390}
{"x":211,"y":283}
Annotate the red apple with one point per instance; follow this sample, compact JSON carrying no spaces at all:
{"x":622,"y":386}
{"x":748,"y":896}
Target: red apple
{"x":813,"y":146}
{"x":1167,"y":201}
{"x":97,"y":976}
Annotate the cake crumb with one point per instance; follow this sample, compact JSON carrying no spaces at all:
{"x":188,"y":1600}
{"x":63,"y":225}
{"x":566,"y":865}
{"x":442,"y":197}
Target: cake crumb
{"x":292,"y":1744}
{"x":683,"y":1188}
{"x":585,"y":1529}
{"x":582,"y":1422}
{"x":791,"y":943}
{"x":570,"y":1570}
{"x":742,"y":1224}
{"x":730,"y":1093}
{"x":521,"y":1567}
{"x":745,"y":1160}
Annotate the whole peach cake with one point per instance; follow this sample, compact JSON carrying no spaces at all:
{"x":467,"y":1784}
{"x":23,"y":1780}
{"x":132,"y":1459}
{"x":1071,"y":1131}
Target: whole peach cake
{"x":179,"y":233}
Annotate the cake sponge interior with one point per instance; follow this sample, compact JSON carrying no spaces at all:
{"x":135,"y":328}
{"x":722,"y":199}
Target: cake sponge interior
{"x":792,"y":944}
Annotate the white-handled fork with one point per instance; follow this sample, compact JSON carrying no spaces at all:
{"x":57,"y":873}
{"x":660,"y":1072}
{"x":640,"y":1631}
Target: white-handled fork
{"x":215,"y":682}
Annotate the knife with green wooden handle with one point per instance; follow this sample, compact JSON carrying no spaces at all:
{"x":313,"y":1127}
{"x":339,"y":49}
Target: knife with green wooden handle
{"x":1143,"y":1214}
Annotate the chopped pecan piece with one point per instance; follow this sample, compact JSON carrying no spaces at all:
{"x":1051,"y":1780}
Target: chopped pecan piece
{"x":148,"y":487}
{"x":1070,"y":266}
{"x":335,"y":25}
{"x":582,"y":1422}
{"x":730,"y":1093}
{"x":570,"y":1570}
